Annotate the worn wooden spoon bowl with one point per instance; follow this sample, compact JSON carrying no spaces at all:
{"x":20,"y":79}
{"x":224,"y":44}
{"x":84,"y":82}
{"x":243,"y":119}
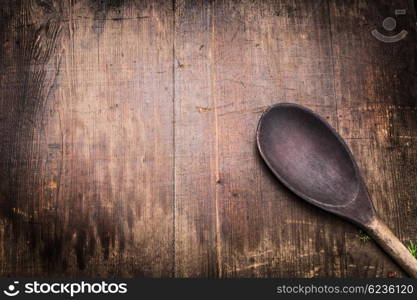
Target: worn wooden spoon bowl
{"x":312,"y":160}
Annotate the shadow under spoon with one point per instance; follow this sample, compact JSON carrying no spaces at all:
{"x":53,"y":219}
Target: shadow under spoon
{"x":312,"y":160}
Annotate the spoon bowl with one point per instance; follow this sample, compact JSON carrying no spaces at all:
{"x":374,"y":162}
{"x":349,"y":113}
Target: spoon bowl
{"x":320,"y":169}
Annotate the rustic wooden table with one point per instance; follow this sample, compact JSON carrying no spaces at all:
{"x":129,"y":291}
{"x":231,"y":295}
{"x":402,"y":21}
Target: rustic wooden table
{"x":127,"y":135}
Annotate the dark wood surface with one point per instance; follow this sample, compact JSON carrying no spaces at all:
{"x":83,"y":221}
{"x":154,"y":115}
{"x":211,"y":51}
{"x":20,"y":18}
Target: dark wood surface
{"x":127,"y":135}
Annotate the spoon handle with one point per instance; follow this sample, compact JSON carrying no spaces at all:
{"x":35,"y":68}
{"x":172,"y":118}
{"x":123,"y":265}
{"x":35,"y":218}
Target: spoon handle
{"x":392,"y":245}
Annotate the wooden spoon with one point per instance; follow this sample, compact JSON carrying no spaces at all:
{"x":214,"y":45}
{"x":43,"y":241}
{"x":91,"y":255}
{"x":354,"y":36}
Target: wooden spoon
{"x":312,"y":160}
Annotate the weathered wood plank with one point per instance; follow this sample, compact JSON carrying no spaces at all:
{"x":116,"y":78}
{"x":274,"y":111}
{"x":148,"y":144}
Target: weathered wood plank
{"x":235,"y":59}
{"x":196,"y":168}
{"x":86,"y":139}
{"x":376,"y":92}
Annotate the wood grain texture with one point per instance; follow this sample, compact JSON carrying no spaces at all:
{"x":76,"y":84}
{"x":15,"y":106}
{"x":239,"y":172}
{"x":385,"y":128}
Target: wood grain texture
{"x":87,"y":152}
{"x":243,"y":58}
{"x":376,"y":96}
{"x":127,"y":135}
{"x":196,"y":165}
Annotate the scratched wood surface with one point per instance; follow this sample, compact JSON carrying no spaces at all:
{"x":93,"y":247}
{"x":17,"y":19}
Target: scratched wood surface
{"x":127,"y":135}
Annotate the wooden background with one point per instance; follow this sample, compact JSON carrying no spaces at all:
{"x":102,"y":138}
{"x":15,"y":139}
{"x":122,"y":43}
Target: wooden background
{"x":127,"y":135}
